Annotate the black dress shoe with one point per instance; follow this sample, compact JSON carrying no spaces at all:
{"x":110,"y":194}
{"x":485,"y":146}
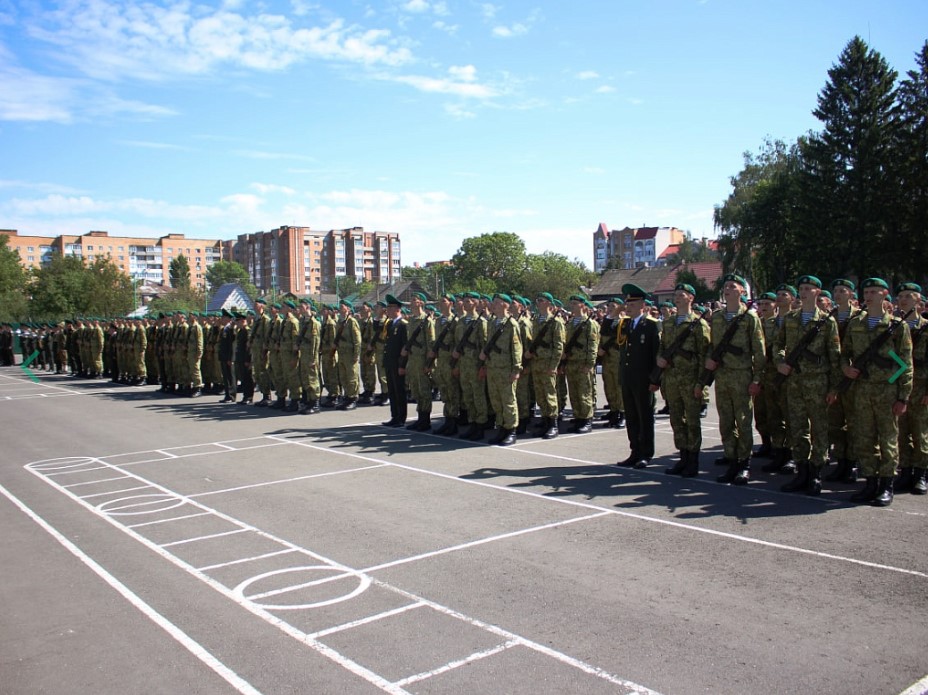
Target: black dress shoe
{"x":509,"y":439}
{"x":640,"y":463}
{"x":629,"y":462}
{"x":393,"y":423}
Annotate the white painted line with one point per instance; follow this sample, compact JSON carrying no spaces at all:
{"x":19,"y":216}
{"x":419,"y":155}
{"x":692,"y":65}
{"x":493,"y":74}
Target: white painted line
{"x":94,"y":482}
{"x":165,"y":453}
{"x":476,"y":656}
{"x":204,"y":538}
{"x":490,"y":539}
{"x":283,"y":480}
{"x":365,"y":621}
{"x":164,"y":521}
{"x":185,"y":640}
{"x":112,"y":492}
{"x":630,"y":515}
{"x":244,"y":559}
{"x":82,"y":470}
{"x":919,"y":687}
{"x":223,"y":446}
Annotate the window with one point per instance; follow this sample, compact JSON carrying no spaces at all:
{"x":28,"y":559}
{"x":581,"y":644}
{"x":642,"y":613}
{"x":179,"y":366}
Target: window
{"x":32,"y":259}
{"x":90,"y":248}
{"x":31,"y":249}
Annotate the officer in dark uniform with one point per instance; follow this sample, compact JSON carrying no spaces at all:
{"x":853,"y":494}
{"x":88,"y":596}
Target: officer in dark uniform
{"x":393,"y":362}
{"x":642,"y":344}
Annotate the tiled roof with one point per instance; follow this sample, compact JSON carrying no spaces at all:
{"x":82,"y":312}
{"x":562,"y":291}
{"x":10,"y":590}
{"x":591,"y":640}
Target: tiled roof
{"x":610,"y":284}
{"x":707,"y":271}
{"x":645,"y":233}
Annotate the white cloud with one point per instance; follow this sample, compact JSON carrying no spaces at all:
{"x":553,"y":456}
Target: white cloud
{"x":110,"y":40}
{"x":265,"y":188}
{"x":459,"y":111}
{"x":605,"y":89}
{"x":587,"y":75}
{"x":504,"y":32}
{"x":416,"y":6}
{"x":489,"y":11}
{"x":450,"y":29}
{"x":462,"y":82}
{"x":465,"y":73}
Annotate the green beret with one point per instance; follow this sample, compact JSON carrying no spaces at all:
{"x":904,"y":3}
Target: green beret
{"x":547,"y":296}
{"x":686,"y":288}
{"x":259,"y":300}
{"x":345,"y":302}
{"x":368,"y":305}
{"x":769,"y":296}
{"x":700,"y":309}
{"x":617,"y":300}
{"x":471,"y":295}
{"x":393,"y":301}
{"x":503,"y":297}
{"x":382,"y":304}
{"x":809,"y":280}
{"x":825,"y":293}
{"x":667,"y":305}
{"x":874,"y":282}
{"x":842,"y":282}
{"x":583,"y":300}
{"x":783,"y":287}
{"x":486,"y":297}
{"x":226,"y":314}
{"x":648,"y":302}
{"x":632,"y":291}
{"x":276,"y":305}
{"x":421,"y":297}
{"x":305,"y":300}
{"x":558,"y":303}
{"x":908,"y":287}
{"x":431,"y":307}
{"x":290,"y":304}
{"x":731,"y":277}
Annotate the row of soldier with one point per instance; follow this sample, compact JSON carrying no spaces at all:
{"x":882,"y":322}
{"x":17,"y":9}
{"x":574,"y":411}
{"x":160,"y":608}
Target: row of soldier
{"x":811,"y":369}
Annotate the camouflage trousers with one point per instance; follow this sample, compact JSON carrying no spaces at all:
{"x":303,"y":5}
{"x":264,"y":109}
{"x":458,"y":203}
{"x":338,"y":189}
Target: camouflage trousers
{"x":876,"y":429}
{"x":259,"y":369}
{"x":502,"y":391}
{"x":840,"y":429}
{"x":913,"y":430}
{"x":580,"y":388}
{"x":419,"y":383}
{"x":684,"y":408}
{"x":329,"y":364}
{"x":612,"y":382}
{"x":368,"y":366}
{"x":736,"y":409}
{"x":309,"y":379}
{"x":808,"y":417}
{"x":770,"y":412}
{"x":473,"y":392}
{"x":545,"y":386}
{"x":449,"y":386}
{"x":348,"y":374}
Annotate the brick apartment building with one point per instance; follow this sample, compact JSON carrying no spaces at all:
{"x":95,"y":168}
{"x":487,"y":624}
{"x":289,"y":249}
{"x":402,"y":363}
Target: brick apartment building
{"x":308,"y":262}
{"x":141,"y":258}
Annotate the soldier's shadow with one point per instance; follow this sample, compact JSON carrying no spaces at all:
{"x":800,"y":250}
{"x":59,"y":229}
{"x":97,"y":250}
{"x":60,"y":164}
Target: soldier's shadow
{"x":639,"y":490}
{"x":370,"y":440}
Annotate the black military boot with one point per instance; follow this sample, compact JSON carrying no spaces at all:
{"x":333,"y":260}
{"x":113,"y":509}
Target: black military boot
{"x":734,"y":467}
{"x":868,"y":493}
{"x":542,"y":427}
{"x":619,"y":421}
{"x":884,"y":492}
{"x":470,"y":431}
{"x":919,"y":482}
{"x":765,"y":451}
{"x":679,"y":466}
{"x":904,"y":481}
{"x":280,"y":403}
{"x":583,"y":426}
{"x":800,"y":481}
{"x":509,"y":439}
{"x":790,"y":467}
{"x":499,"y":436}
{"x":743,"y":476}
{"x":479,"y":429}
{"x":553,"y":430}
{"x":692,"y":464}
{"x":522,"y":427}
{"x":348,"y":404}
{"x":452,"y":427}
{"x":840,"y":471}
{"x":814,"y":486}
{"x":777,"y":461}
{"x":293,"y":406}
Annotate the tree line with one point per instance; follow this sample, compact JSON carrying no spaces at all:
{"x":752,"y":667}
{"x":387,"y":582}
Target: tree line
{"x":849,"y":200}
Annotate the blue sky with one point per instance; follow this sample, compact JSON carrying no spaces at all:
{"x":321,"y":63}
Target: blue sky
{"x":439,"y":120}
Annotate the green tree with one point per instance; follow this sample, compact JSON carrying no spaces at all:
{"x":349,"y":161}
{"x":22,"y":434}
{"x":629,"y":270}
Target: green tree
{"x":349,"y":285}
{"x":490,"y":263}
{"x":179,"y":272}
{"x":67,"y":286}
{"x":554,"y":273}
{"x":704,"y":293}
{"x":222,"y":272}
{"x":13,"y":281}
{"x":109,"y":290}
{"x":850,"y":189}
{"x":760,"y":220}
{"x":181,"y":299}
{"x":912,"y":157}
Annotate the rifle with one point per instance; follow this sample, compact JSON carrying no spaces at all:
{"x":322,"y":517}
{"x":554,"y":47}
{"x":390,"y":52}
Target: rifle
{"x":572,"y":343}
{"x":440,"y":343}
{"x":463,"y":341}
{"x":415,"y":335}
{"x":614,"y":339}
{"x":719,"y":352}
{"x":675,"y":347}
{"x":799,"y":349}
{"x":536,"y":341}
{"x":870,"y":353}
{"x":338,"y":337}
{"x":491,"y":343}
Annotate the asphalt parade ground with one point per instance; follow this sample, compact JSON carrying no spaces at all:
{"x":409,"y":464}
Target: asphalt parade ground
{"x":157,"y":544}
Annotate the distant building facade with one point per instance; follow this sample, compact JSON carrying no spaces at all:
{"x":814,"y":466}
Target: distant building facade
{"x":641,"y":247}
{"x":141,"y":258}
{"x":303,"y":261}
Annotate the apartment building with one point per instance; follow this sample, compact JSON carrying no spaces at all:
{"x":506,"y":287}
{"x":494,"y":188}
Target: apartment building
{"x":140,"y":258}
{"x":309,"y":262}
{"x":639,"y":247}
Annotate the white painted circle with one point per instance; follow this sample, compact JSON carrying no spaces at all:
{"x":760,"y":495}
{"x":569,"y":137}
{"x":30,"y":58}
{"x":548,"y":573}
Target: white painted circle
{"x":61,"y":464}
{"x":153,"y":503}
{"x":363,"y":583}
